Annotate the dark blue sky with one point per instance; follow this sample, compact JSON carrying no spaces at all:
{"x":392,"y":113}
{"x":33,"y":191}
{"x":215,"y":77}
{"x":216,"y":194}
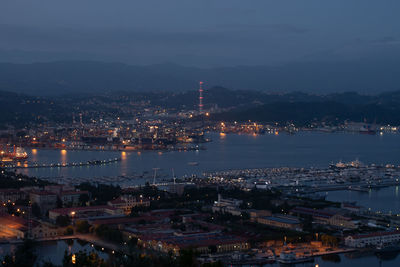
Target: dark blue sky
{"x":201,"y":32}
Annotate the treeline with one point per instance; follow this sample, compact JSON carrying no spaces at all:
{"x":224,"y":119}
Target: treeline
{"x":306,"y":113}
{"x":11,"y":179}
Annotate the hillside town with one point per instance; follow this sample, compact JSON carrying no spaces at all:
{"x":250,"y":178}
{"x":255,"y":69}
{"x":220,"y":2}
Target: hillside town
{"x":217,"y":223}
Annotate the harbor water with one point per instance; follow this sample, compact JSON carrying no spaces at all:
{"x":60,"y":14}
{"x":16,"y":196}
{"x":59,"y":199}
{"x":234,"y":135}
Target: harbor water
{"x":231,"y":151}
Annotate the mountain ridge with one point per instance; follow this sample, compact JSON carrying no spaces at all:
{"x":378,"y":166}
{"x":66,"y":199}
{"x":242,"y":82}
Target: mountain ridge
{"x":64,"y":77}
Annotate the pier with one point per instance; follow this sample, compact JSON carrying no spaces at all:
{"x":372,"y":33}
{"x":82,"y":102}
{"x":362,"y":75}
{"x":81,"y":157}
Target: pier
{"x":61,"y":165}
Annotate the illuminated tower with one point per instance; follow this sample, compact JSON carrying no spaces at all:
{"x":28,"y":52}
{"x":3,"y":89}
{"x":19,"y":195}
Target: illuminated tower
{"x":200,"y":97}
{"x":81,"y":119}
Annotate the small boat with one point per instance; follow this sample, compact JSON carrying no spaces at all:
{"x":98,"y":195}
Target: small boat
{"x":287,"y":257}
{"x":193,"y":163}
{"x":387,"y":248}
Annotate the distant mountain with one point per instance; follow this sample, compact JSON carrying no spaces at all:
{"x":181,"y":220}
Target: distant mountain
{"x":66,"y":77}
{"x":304,"y":113}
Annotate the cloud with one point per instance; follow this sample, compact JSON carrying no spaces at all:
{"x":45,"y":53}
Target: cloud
{"x":387,"y":40}
{"x":55,"y":38}
{"x":276,"y":28}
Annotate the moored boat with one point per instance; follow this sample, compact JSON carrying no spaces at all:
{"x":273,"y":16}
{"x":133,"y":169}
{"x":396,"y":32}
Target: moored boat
{"x":288,"y":257}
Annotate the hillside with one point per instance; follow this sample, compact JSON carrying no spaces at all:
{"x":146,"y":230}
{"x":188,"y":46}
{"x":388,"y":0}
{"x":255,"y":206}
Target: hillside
{"x":57,"y":78}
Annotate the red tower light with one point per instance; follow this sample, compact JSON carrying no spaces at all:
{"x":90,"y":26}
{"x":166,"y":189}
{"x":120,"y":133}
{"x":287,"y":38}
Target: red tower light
{"x":200,"y":97}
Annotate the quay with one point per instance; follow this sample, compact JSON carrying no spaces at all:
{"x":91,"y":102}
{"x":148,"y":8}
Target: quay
{"x":62,"y":165}
{"x":361,"y":187}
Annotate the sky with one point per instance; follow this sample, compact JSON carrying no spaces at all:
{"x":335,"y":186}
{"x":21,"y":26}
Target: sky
{"x":204,"y":33}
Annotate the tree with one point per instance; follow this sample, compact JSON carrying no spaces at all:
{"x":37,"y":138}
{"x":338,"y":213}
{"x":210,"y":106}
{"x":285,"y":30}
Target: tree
{"x":329,"y":240}
{"x":83,"y":259}
{"x":132,"y":243}
{"x":82,"y":227}
{"x":69,"y":230}
{"x":59,"y":203}
{"x":101,"y":193}
{"x":36,"y":210}
{"x":213,"y":264}
{"x":63,"y":220}
{"x":245,"y":216}
{"x":83,"y":199}
{"x":108,"y":233}
{"x":213,"y":249}
{"x":187,"y":258}
{"x":307,"y":225}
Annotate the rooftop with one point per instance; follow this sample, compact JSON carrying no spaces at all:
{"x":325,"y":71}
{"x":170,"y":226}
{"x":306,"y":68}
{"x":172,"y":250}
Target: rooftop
{"x":375,"y":234}
{"x":67,"y":211}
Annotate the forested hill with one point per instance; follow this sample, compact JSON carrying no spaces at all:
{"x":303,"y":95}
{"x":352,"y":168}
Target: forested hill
{"x":56,"y":78}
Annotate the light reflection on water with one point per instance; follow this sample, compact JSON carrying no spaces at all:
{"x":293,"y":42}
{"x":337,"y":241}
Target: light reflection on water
{"x":53,"y":251}
{"x":233,"y":151}
{"x":384,"y":199}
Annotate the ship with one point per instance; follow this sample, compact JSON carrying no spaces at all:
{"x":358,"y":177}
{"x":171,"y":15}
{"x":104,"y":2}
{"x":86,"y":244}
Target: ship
{"x":288,"y":258}
{"x":387,"y":252}
{"x":352,"y":164}
{"x":18,"y":154}
{"x":367,"y":129}
{"x":339,"y":165}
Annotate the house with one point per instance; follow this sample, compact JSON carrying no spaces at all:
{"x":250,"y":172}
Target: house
{"x":13,"y":226}
{"x":176,"y":188}
{"x":72,"y":197}
{"x":202,"y":242}
{"x":58,"y":188}
{"x":254,"y":214}
{"x":351,"y":207}
{"x":88,"y":212}
{"x":227,"y":205}
{"x":127,"y":202}
{"x":328,"y":217}
{"x":44,"y":199}
{"x":18,"y":227}
{"x":372,"y":239}
{"x":280,"y":221}
{"x":318,"y":215}
{"x":341,"y":222}
{"x":11,"y":195}
{"x":67,"y":194}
